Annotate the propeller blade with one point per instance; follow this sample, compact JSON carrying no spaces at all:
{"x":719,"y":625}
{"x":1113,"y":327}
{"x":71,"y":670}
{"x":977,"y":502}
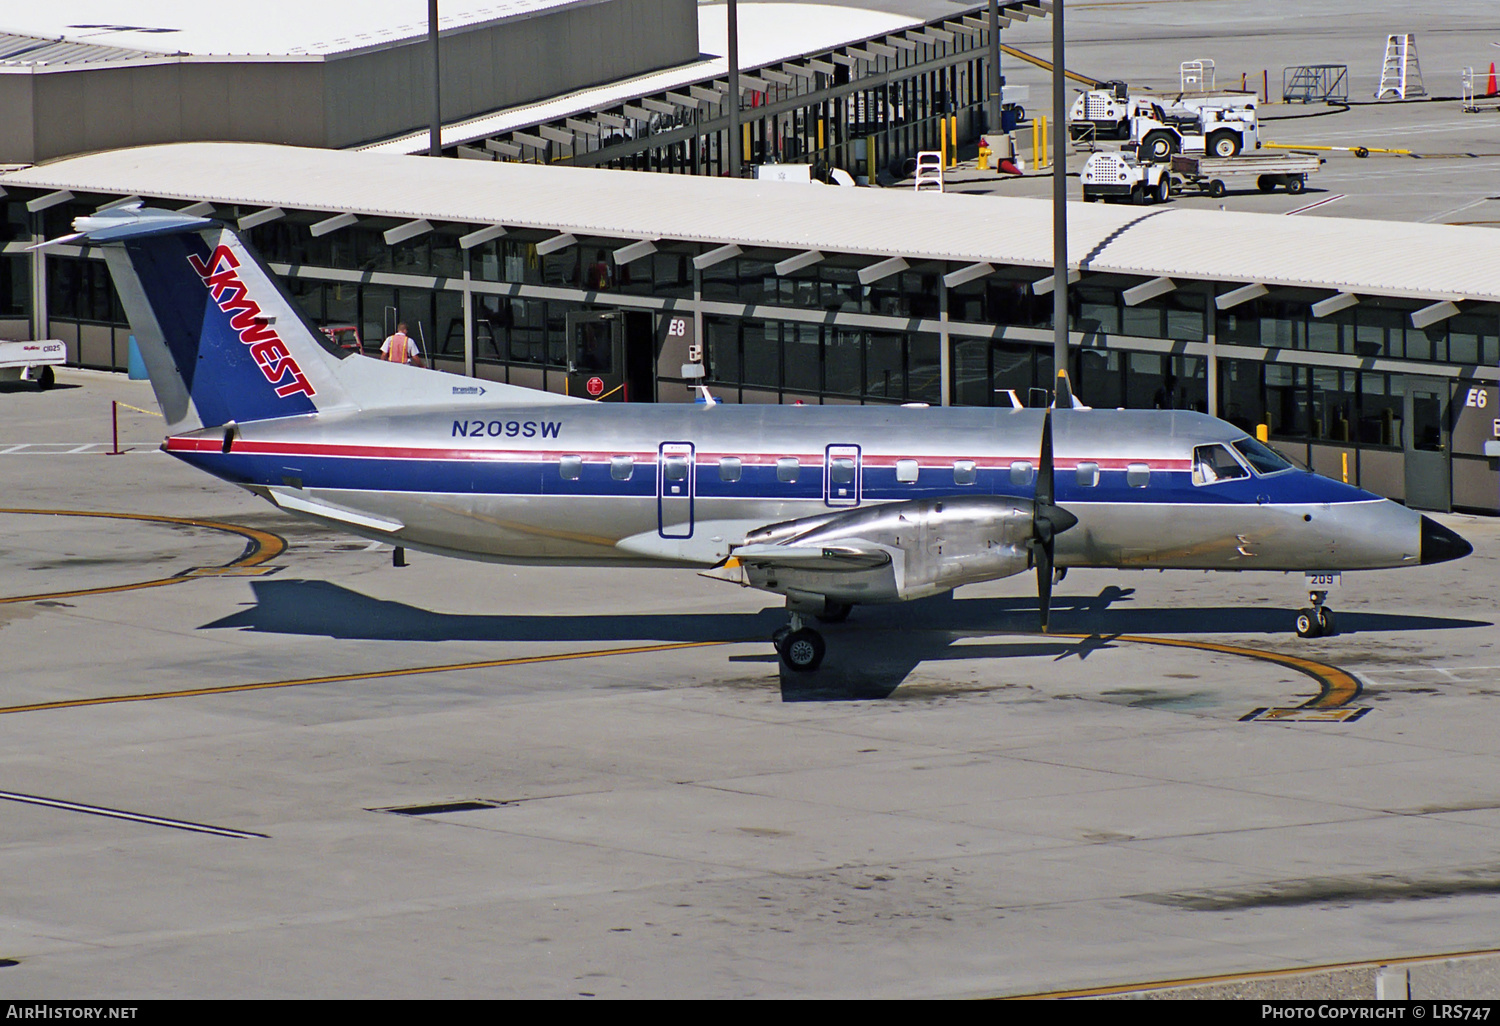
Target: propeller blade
{"x":1044,"y":492}
{"x":1044,"y":579}
{"x":1048,"y":519}
{"x":1063,"y":397}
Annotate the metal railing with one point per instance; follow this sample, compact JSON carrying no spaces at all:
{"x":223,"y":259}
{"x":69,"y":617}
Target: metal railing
{"x":1309,"y":83}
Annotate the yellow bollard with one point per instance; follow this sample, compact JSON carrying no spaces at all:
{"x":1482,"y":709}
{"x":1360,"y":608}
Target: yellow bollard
{"x":1263,"y":432}
{"x":953,"y":135}
{"x":943,"y":142}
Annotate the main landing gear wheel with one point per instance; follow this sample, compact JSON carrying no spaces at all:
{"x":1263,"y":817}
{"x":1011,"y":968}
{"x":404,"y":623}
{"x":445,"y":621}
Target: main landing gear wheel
{"x":1308,"y":625}
{"x":802,"y":650}
{"x":1325,"y":621}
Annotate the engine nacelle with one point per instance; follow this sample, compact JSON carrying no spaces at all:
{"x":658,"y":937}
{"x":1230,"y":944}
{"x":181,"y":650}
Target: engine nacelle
{"x":935,"y":545}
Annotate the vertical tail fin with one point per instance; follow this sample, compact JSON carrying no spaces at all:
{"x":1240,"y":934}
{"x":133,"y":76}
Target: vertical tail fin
{"x":221,"y":340}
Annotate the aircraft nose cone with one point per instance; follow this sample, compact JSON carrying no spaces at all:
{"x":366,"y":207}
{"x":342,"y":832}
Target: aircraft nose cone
{"x":1440,"y":544}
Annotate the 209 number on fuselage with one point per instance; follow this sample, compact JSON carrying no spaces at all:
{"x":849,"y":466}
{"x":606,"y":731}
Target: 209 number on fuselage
{"x":507,"y":428}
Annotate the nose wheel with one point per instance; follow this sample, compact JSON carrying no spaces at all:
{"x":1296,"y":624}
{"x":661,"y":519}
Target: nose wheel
{"x":801,"y":648}
{"x":1317,"y":621}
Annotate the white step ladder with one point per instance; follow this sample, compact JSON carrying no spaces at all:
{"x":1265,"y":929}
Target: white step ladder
{"x":1401,"y":74}
{"x":929,"y":176}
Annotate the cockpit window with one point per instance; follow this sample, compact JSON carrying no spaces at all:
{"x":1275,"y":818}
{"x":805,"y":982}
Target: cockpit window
{"x":1262,"y":457}
{"x":1214,"y":463}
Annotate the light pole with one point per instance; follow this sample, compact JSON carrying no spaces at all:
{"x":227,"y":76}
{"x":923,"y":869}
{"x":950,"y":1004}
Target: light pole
{"x":435,"y":133}
{"x":1059,"y":204}
{"x":994,"y":75}
{"x":734,"y":90}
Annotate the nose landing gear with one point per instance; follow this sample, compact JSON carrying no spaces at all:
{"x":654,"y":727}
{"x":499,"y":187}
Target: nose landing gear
{"x":1317,"y":621}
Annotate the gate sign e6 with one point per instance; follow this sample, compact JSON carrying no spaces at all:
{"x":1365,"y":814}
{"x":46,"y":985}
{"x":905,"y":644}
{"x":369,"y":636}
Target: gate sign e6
{"x":1475,"y":407}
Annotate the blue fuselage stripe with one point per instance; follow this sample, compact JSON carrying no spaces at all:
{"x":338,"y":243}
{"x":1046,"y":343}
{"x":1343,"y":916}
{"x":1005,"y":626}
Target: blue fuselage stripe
{"x":878,"y":483}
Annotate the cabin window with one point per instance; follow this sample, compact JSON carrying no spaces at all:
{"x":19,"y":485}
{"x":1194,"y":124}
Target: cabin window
{"x":1215,"y":463}
{"x":906,"y":471}
{"x":729,"y":468}
{"x":841,"y":471}
{"x":1137,"y":475}
{"x":787,"y":469}
{"x":1088,"y":475}
{"x":674,"y":468}
{"x":1020,"y":472}
{"x":570,"y":467}
{"x":621,"y":467}
{"x":964,"y":472}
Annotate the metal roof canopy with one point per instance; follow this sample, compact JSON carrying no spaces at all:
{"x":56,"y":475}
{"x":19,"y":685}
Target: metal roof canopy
{"x":1437,"y":263}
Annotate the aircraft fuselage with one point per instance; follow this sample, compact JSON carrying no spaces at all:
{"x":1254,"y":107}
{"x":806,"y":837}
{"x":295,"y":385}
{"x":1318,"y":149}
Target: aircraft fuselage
{"x":604,"y":484}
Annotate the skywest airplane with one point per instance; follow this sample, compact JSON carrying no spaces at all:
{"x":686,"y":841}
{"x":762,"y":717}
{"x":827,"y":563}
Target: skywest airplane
{"x":828,"y":506}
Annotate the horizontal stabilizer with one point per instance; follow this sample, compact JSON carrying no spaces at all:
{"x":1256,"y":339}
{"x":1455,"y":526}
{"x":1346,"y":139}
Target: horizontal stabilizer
{"x":848,"y":554}
{"x":303,"y":503}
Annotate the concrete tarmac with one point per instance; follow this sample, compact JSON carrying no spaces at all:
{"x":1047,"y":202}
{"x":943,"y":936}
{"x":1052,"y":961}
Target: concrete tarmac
{"x":467,"y":780}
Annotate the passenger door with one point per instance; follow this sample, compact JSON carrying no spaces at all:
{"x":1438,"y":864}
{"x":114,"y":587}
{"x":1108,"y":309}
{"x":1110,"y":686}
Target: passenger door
{"x":675,"y":486}
{"x":842,"y":475}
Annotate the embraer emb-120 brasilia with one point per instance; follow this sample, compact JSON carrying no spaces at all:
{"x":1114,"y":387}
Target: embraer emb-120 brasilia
{"x":830,"y":507}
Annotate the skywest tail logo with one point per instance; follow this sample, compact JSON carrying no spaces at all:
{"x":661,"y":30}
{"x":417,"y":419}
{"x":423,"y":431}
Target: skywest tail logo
{"x":222,"y":280}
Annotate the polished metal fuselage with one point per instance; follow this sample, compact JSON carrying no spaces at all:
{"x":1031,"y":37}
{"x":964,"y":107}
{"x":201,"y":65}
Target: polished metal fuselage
{"x":604,"y":484}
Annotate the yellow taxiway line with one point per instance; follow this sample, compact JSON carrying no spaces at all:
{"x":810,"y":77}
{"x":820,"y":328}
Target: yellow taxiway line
{"x":261,"y":547}
{"x":409,"y":671}
{"x":1268,"y":974}
{"x":1337,"y":688}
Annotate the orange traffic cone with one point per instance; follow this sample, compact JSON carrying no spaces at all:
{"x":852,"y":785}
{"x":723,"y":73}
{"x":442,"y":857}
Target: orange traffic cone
{"x":1491,"y":90}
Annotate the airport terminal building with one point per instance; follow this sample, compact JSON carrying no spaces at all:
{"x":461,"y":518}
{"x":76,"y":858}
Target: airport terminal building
{"x":1378,"y":363}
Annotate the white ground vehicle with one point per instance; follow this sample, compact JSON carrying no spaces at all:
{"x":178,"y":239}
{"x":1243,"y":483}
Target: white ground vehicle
{"x":1287,"y":171}
{"x":1120,"y":177}
{"x":1218,"y":124}
{"x":33,"y":360}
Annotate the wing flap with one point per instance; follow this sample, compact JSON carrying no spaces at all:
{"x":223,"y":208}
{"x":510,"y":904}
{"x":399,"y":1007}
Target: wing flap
{"x":303,"y":503}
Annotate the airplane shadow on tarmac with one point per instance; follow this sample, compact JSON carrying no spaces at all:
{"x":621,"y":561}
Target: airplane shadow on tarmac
{"x":868,"y":657}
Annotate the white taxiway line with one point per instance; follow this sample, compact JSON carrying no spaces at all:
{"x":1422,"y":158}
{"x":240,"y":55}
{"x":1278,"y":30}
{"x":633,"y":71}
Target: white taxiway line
{"x":135,"y":817}
{"x":1320,"y":203}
